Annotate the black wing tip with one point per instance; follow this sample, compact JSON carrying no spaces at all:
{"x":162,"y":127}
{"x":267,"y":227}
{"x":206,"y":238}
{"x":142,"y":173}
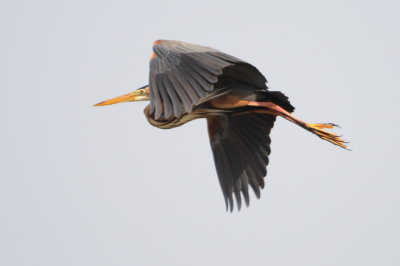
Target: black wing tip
{"x":238,"y":201}
{"x":229,"y":202}
{"x":246,"y":198}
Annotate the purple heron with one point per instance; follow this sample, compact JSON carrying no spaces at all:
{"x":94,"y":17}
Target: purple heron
{"x":189,"y":81}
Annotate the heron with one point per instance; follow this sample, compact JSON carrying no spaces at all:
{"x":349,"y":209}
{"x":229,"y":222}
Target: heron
{"x":189,"y":81}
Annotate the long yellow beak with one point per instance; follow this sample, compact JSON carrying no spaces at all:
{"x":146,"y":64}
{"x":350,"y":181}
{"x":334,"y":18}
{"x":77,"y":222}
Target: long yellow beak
{"x":130,"y":97}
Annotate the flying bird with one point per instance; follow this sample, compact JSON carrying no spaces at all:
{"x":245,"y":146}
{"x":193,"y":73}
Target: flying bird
{"x":189,"y":81}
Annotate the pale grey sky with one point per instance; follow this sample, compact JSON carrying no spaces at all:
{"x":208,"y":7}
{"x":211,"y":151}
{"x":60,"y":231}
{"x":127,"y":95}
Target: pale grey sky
{"x":99,"y":186}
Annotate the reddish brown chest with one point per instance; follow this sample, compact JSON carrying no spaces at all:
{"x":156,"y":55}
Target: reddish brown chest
{"x":228,"y":101}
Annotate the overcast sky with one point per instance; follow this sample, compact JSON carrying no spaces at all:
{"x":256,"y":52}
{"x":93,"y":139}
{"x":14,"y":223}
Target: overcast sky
{"x":83,"y":185}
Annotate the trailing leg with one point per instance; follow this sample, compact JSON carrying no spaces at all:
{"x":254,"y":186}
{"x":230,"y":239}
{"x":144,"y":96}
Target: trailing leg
{"x":313,"y":128}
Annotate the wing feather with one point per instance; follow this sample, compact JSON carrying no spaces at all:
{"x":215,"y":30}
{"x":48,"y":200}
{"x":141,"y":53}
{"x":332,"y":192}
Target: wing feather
{"x":208,"y":73}
{"x":240,"y":145}
{"x":164,"y":96}
{"x":245,"y":187}
{"x":188,"y":88}
{"x":154,"y":93}
{"x":204,"y":84}
{"x":250,"y":156}
{"x":224,"y":174}
{"x":195,"y":85}
{"x":191,"y":70}
{"x":207,"y":63}
{"x":172,"y":94}
{"x":180,"y":92}
{"x":236,"y":170}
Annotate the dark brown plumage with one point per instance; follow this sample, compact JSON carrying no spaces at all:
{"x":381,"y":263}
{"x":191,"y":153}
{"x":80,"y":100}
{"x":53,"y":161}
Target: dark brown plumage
{"x":189,"y":81}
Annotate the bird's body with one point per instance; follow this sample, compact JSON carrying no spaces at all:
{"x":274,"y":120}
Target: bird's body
{"x":189,"y":81}
{"x":226,"y":99}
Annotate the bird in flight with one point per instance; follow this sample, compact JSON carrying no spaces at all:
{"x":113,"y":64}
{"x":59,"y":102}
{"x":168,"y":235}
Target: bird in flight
{"x":189,"y":81}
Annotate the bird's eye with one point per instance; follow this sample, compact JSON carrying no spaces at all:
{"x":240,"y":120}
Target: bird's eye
{"x":141,"y":91}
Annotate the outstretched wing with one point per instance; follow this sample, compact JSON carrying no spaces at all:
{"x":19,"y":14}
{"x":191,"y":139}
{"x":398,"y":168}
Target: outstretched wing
{"x":240,"y":145}
{"x":181,"y":75}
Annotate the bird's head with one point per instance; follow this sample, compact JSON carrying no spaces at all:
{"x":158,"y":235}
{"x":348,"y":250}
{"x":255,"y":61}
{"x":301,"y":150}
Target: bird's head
{"x":141,"y":94}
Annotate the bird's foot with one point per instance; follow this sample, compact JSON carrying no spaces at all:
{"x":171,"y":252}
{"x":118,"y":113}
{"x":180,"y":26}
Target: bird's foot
{"x":321,"y":126}
{"x":332,"y":138}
